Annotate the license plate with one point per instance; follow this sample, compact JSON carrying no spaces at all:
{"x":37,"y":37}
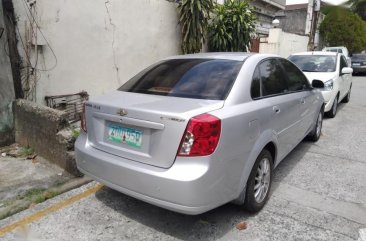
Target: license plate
{"x":355,"y":64}
{"x":129,"y":136}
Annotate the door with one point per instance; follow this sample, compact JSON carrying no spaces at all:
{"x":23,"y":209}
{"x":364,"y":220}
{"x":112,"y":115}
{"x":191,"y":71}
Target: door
{"x":344,"y":79}
{"x":280,"y":111}
{"x":298,"y":84}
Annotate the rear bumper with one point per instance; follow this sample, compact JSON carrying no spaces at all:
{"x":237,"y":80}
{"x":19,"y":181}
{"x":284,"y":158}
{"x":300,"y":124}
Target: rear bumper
{"x":190,"y":186}
{"x":359,"y":69}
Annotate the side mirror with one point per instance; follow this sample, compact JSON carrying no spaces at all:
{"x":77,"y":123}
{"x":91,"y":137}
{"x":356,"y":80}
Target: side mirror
{"x":347,"y":70}
{"x":317,"y":84}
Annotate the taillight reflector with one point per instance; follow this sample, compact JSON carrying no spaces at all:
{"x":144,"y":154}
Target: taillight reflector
{"x":201,"y":136}
{"x":82,"y":119}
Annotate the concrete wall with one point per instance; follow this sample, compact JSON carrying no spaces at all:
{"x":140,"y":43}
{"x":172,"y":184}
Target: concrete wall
{"x":98,"y":44}
{"x":265,"y":14}
{"x":294,"y":21}
{"x":282,"y":43}
{"x":7,"y":94}
{"x":46,"y":131}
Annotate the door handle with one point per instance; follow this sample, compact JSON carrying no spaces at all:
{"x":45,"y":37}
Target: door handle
{"x":276,"y":109}
{"x":302,"y":101}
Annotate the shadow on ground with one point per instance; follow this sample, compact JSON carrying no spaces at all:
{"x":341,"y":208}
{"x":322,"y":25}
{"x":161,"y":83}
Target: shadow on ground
{"x":208,"y":226}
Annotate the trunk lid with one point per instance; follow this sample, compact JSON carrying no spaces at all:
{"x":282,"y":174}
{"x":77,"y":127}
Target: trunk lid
{"x":140,"y":127}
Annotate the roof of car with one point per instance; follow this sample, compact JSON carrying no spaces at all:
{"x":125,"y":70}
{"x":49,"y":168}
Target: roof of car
{"x":240,"y":56}
{"x":316,"y":53}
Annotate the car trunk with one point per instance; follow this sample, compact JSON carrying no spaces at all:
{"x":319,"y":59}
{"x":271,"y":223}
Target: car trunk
{"x":141,"y":127}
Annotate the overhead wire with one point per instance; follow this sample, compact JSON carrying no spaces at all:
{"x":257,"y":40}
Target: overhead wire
{"x":25,"y":4}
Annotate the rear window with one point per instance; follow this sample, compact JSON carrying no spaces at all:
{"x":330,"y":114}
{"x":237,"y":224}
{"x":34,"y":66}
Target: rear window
{"x":334,"y":50}
{"x":189,"y":78}
{"x":359,"y":57}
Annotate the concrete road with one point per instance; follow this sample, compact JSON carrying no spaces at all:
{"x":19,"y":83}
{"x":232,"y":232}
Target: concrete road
{"x":319,"y":194}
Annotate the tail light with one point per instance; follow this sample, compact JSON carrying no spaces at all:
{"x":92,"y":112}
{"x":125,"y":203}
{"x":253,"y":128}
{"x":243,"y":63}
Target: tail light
{"x":83,"y":120}
{"x":201,"y":136}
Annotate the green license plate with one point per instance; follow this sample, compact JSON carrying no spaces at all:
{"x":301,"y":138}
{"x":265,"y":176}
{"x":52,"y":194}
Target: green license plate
{"x":129,"y":136}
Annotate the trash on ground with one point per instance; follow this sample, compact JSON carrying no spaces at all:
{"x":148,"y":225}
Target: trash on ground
{"x":242,"y":225}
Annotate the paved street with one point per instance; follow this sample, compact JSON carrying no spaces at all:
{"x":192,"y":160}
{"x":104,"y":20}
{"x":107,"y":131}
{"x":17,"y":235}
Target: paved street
{"x":319,"y":194}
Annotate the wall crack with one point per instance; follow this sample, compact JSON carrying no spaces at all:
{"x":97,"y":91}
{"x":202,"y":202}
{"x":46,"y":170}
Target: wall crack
{"x":114,"y":27}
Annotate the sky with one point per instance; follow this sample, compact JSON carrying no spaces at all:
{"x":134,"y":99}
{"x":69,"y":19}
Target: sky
{"x":334,"y":2}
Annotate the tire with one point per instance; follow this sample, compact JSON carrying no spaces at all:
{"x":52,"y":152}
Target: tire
{"x":259,"y":183}
{"x":317,"y":130}
{"x":348,"y":96}
{"x":333,"y":111}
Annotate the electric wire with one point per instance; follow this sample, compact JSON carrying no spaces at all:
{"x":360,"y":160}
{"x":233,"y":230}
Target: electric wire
{"x":40,"y":31}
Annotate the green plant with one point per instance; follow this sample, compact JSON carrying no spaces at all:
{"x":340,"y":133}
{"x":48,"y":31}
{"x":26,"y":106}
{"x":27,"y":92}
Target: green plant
{"x":232,"y":26}
{"x":341,"y":27}
{"x":358,"y":7}
{"x":75,"y":133}
{"x":38,"y":195}
{"x":193,"y":18}
{"x":26,"y":151}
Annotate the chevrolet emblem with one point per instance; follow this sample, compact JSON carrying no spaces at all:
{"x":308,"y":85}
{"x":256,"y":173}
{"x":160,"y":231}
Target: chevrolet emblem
{"x":122,"y":112}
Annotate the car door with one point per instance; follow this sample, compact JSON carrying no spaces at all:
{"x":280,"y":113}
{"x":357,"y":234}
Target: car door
{"x":344,"y":79}
{"x":298,"y":84}
{"x":280,"y":111}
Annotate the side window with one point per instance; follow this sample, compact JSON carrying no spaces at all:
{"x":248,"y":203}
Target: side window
{"x":343,"y":63}
{"x":296,"y":80}
{"x":272,"y":77}
{"x":255,"y":89}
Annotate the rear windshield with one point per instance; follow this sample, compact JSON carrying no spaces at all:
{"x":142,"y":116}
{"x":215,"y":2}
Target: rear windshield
{"x":334,"y":50}
{"x":315,"y":63}
{"x":359,"y":57}
{"x":190,"y":78}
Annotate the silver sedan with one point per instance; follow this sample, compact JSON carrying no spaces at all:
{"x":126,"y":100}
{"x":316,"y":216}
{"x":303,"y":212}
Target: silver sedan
{"x":193,"y":132}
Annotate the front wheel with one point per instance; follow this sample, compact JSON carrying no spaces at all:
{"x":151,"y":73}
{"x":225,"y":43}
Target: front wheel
{"x":259,"y":182}
{"x":315,"y":133}
{"x":332,"y":113}
{"x":348,"y":96}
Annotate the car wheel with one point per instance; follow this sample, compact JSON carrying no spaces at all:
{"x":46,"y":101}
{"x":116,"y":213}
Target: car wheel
{"x":348,"y":96}
{"x":259,"y":183}
{"x":315,"y":133}
{"x":332,"y":113}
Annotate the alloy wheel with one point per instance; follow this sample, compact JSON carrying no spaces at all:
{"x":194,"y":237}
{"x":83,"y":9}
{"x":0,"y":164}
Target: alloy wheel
{"x":262,"y":180}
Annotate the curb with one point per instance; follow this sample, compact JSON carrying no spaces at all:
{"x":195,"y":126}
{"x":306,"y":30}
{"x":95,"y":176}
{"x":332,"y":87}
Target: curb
{"x":20,"y":205}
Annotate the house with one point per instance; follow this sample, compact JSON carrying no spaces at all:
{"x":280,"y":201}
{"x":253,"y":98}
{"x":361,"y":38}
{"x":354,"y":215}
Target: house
{"x":266,"y":11}
{"x":296,"y":19}
{"x":300,"y":19}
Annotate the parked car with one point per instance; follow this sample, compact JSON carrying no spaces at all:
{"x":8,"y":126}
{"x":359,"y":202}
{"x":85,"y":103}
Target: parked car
{"x":332,"y":69}
{"x":358,"y":63}
{"x":193,"y":132}
{"x":339,"y":49}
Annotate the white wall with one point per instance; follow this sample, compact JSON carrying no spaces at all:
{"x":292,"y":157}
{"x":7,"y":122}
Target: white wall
{"x":99,"y":44}
{"x":282,"y":43}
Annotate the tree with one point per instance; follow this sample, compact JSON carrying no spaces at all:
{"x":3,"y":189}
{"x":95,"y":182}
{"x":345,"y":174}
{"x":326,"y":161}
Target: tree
{"x":358,"y":7}
{"x":232,"y":26}
{"x":341,"y":27}
{"x":193,"y":18}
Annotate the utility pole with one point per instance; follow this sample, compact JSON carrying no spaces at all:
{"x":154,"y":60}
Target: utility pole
{"x":315,"y":8}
